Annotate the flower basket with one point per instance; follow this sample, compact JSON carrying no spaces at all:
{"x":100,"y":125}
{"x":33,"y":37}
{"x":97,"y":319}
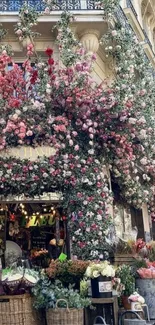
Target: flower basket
{"x":101,"y":287}
{"x":64,"y":316}
{"x":18,"y":310}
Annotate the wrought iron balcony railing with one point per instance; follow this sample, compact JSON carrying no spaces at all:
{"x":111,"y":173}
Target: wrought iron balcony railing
{"x":130,"y":5}
{"x":15,"y":5}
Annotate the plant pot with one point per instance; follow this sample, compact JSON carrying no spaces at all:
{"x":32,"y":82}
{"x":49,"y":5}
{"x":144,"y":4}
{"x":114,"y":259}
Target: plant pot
{"x":146,"y":288}
{"x":125,"y":302}
{"x":101,"y":287}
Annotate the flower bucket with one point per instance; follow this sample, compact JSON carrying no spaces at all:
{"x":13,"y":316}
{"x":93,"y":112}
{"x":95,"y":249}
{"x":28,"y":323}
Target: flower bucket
{"x":101,"y":287}
{"x":146,"y":288}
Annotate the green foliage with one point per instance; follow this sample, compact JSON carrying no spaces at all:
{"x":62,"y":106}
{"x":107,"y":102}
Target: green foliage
{"x":109,"y":6}
{"x":125,"y":274}
{"x":28,"y":18}
{"x":47,"y":293}
{"x":84,"y":288}
{"x":3,"y":32}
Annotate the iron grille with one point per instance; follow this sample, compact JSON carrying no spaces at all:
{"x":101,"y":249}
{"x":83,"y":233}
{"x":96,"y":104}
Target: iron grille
{"x":15,"y":5}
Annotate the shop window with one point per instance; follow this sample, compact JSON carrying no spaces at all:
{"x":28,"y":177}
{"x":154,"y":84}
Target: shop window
{"x":137,"y":221}
{"x":36,"y":232}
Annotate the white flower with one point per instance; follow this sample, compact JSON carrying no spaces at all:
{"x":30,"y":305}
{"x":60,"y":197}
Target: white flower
{"x":142,"y":120}
{"x":48,"y":91}
{"x":114,"y":32}
{"x":143,"y":161}
{"x":96,"y":274}
{"x":132,"y":120}
{"x":91,"y":152}
{"x":141,"y":300}
{"x":88,"y":272}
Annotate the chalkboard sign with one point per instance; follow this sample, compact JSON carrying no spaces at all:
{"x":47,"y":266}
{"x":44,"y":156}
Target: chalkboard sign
{"x":40,"y":237}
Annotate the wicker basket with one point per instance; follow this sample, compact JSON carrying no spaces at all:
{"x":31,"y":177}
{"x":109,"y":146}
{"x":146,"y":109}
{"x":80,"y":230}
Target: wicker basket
{"x":64,"y":316}
{"x":18,"y":310}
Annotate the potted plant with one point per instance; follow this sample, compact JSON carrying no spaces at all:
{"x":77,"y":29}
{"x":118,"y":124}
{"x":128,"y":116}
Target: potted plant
{"x":58,"y":300}
{"x":124,"y":272}
{"x":68,"y":271}
{"x":101,"y":274}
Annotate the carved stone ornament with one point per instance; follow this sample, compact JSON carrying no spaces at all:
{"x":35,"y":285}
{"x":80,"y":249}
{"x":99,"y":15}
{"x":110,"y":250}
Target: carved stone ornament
{"x":90,"y":40}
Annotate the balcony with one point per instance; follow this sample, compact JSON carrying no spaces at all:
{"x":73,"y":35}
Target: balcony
{"x":141,"y":34}
{"x":15,"y":5}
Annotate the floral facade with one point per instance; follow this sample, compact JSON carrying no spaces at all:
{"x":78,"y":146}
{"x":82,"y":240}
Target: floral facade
{"x":90,"y":126}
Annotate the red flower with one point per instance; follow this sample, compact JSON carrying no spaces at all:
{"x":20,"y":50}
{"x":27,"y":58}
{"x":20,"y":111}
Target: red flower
{"x":49,"y":51}
{"x":50,"y":61}
{"x":34,"y":77}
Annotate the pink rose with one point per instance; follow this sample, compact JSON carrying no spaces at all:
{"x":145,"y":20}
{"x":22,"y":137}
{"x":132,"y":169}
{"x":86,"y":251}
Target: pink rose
{"x":22,"y":130}
{"x":21,"y":135}
{"x":19,"y":32}
{"x":76,"y":147}
{"x":29,"y":133}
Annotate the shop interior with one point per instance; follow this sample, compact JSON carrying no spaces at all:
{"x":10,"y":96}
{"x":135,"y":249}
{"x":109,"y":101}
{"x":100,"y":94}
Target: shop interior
{"x":32,"y":233}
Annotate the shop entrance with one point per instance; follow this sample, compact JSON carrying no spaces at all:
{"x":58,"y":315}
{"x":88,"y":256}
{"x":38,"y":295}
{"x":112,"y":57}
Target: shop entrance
{"x":33,"y":232}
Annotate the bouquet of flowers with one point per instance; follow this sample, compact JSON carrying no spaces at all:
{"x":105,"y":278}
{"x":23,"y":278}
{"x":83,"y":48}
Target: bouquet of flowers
{"x":135,"y":297}
{"x":147,"y":272}
{"x":68,"y":271}
{"x":118,"y":286}
{"x":40,"y":258}
{"x":94,"y":270}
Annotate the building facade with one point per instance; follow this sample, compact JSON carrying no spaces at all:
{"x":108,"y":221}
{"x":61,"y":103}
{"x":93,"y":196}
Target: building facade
{"x":137,"y":15}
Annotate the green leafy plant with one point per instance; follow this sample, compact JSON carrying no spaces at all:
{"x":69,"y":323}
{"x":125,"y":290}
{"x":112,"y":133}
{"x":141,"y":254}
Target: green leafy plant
{"x":124,"y":272}
{"x":47,"y":293}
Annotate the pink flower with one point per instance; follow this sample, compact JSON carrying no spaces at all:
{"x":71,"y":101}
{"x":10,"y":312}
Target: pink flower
{"x":71,"y":142}
{"x":114,"y":32}
{"x":60,"y":128}
{"x":19,"y":32}
{"x":22,"y":124}
{"x":22,"y":129}
{"x":29,"y":133}
{"x":76,"y":147}
{"x":21,"y":135}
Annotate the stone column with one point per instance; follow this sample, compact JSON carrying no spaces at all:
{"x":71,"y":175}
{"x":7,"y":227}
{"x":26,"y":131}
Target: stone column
{"x":137,"y":5}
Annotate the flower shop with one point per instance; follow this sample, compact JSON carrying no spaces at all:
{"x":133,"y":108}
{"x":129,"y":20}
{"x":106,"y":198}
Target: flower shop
{"x":57,"y":232}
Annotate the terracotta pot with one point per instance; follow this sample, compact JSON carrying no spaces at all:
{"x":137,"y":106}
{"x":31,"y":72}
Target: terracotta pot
{"x":126,"y":303}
